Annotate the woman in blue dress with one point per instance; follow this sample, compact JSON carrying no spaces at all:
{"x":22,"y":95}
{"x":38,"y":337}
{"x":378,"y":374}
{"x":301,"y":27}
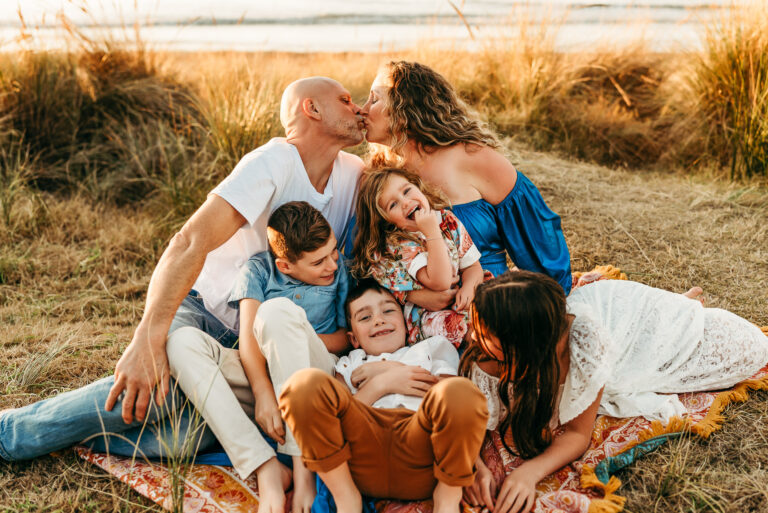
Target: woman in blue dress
{"x":415,"y":119}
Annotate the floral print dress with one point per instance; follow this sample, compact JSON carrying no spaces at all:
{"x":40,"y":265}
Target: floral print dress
{"x":398,"y":271}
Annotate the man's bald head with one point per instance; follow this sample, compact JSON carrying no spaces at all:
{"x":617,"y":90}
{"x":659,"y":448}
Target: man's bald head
{"x":295,"y":94}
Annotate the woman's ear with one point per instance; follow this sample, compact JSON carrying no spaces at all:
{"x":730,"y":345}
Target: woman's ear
{"x":310,"y":109}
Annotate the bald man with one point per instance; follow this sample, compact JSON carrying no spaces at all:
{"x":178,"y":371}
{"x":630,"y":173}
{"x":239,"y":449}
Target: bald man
{"x":191,"y":283}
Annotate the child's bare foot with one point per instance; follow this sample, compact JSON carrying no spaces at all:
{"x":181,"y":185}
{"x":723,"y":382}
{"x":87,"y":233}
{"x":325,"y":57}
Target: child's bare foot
{"x":695,"y":293}
{"x":446,"y":498}
{"x":271,"y":479}
{"x":304,"y":489}
{"x":345,"y":493}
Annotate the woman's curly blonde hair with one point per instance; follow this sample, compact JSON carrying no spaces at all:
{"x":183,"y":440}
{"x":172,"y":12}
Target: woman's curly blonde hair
{"x":374,"y":232}
{"x":424,"y":107}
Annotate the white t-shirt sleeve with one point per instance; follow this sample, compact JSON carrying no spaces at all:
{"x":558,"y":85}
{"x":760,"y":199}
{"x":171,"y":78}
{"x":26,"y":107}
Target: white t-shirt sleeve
{"x":259,"y":177}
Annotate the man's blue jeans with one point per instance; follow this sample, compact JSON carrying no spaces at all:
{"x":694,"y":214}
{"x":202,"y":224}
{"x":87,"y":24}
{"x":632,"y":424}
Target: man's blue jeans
{"x":79,"y":416}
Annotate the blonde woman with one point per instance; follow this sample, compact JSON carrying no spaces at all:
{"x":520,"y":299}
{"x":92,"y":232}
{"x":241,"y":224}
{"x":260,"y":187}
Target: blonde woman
{"x":418,"y":120}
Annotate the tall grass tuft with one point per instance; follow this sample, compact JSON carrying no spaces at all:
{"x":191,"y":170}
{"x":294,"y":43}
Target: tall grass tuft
{"x":730,"y":84}
{"x":242,"y":113}
{"x":16,"y":172}
{"x":74,"y":111}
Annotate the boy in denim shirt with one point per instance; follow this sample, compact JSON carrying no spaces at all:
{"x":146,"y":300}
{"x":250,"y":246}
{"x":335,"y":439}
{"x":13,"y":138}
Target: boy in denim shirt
{"x":291,"y":302}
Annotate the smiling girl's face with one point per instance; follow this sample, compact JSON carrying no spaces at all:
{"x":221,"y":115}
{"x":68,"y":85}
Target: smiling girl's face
{"x":399,"y":200}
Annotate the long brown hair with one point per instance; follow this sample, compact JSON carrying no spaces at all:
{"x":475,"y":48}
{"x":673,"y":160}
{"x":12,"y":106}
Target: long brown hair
{"x":424,"y":107}
{"x":374,"y":232}
{"x":526,"y":312}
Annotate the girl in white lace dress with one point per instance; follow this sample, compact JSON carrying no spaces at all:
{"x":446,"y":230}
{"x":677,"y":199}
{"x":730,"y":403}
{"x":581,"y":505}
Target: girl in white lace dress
{"x":614,"y":347}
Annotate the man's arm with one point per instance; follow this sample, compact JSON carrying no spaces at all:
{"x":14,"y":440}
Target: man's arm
{"x":144,"y":362}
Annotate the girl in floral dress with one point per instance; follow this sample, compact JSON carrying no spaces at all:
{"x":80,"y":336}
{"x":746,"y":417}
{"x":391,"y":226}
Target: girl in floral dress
{"x":407,"y":240}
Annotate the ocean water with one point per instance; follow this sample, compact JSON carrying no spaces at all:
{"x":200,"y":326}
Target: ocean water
{"x":358,"y":25}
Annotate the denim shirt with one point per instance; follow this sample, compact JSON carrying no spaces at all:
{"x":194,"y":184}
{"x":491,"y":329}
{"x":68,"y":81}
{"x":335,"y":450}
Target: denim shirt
{"x":260,"y":279}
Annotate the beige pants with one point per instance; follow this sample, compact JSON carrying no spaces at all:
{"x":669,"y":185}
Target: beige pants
{"x":213,"y":378}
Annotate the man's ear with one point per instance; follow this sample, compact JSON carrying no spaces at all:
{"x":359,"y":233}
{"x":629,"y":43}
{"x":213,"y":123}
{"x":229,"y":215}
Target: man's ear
{"x":353,"y":340}
{"x":309,"y":107}
{"x":283,"y":265}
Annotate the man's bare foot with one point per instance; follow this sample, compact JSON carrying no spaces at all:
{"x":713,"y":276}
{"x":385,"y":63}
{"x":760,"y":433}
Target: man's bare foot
{"x":271,"y":479}
{"x":304,"y":489}
{"x":446,"y":498}
{"x":695,"y":293}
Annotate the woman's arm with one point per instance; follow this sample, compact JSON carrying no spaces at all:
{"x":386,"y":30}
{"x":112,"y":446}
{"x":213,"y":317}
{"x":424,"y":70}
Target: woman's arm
{"x":471,"y":277}
{"x":266,"y":411}
{"x":518,"y":491}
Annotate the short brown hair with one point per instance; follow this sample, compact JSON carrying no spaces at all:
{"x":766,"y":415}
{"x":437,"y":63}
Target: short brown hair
{"x":357,"y":292}
{"x":295,"y":228}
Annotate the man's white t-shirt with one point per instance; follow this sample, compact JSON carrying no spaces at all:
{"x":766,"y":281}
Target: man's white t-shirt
{"x":435,"y":354}
{"x":270,"y":176}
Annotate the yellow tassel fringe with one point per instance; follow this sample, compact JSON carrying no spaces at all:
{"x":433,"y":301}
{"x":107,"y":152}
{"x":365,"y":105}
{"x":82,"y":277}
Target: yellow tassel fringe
{"x":612,"y":503}
{"x":609,"y":271}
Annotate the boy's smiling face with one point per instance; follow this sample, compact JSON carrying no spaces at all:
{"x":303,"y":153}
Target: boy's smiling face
{"x":377,"y":323}
{"x":316,"y":267}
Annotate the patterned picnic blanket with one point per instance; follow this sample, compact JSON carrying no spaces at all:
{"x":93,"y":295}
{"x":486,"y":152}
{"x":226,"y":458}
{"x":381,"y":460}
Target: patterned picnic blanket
{"x":584,"y":486}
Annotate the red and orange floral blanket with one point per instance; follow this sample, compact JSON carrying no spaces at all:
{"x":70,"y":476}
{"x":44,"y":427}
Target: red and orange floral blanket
{"x":584,"y":486}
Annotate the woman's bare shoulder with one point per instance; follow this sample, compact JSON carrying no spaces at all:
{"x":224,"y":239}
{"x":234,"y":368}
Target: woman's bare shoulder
{"x":490,"y":172}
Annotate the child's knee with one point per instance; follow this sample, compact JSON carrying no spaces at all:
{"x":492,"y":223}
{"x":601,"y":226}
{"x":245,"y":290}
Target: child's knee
{"x":279,"y":308}
{"x":458,"y":401}
{"x":184,"y":344}
{"x":306,"y":391}
{"x":276,"y":312}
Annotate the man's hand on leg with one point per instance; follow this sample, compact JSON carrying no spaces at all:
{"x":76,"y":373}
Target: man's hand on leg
{"x":143,"y":365}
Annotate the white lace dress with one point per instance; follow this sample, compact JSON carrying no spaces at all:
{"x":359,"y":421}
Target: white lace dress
{"x":643,"y":346}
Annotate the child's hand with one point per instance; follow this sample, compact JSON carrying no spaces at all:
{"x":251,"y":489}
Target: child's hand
{"x":427,"y":223}
{"x":368,"y":370}
{"x":409,"y":380}
{"x":464,"y":297}
{"x":517,"y":494}
{"x":483,"y":490}
{"x":267,"y":415}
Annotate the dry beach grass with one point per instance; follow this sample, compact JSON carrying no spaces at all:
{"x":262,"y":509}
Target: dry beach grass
{"x":105,"y":150}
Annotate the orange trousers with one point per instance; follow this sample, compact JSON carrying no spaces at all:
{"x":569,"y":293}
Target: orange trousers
{"x":391,"y":453}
